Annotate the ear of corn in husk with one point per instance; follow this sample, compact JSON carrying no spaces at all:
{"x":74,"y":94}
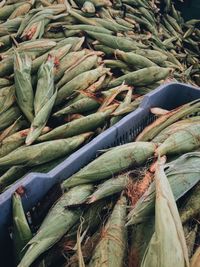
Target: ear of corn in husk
{"x":82,"y":125}
{"x":87,"y":64}
{"x":114,"y":161}
{"x":140,"y":237}
{"x":4,"y":82}
{"x":110,"y":251}
{"x":182,"y":141}
{"x":14,"y":141}
{"x":82,"y":81}
{"x":45,"y":97}
{"x":58,"y":222}
{"x":9,"y":116}
{"x":174,"y":127}
{"x":124,"y":104}
{"x":44,"y":152}
{"x":182,"y":174}
{"x":21,"y":231}
{"x":7,"y":98}
{"x":17,"y":125}
{"x":142,"y":77}
{"x":11,"y":175}
{"x":24,"y":90}
{"x":110,"y":187}
{"x":162,"y":122}
{"x":167,"y":246}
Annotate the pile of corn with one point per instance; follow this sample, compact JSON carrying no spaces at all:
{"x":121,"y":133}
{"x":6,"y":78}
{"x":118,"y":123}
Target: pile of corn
{"x":135,"y":205}
{"x":71,"y":69}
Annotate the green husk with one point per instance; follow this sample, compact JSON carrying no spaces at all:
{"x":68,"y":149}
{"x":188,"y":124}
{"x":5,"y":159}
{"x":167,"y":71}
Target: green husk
{"x":80,"y":82}
{"x":174,"y":127}
{"x":21,"y":231}
{"x":17,"y":125}
{"x":128,"y":108}
{"x":7,"y":10}
{"x":137,"y":61}
{"x":44,"y":152}
{"x":82,"y":125}
{"x":85,"y":27}
{"x":78,"y":107}
{"x":111,"y":249}
{"x":45,"y":97}
{"x":155,"y":56}
{"x":59,"y":52}
{"x":110,"y":187}
{"x":24,"y":90}
{"x":167,"y":246}
{"x":58,"y":222}
{"x":172,"y":116}
{"x":87,"y":64}
{"x":142,"y":77}
{"x":14,"y":141}
{"x":45,"y":84}
{"x":182,"y":141}
{"x":111,"y":162}
{"x":4,"y":82}
{"x":7,"y":98}
{"x":67,"y":61}
{"x":40,"y":120}
{"x":10,"y":176}
{"x":9,"y":116}
{"x":115,"y":42}
{"x":182,"y":173}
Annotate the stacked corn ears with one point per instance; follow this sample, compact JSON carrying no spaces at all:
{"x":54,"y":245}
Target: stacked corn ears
{"x":71,"y":69}
{"x":134,"y":205}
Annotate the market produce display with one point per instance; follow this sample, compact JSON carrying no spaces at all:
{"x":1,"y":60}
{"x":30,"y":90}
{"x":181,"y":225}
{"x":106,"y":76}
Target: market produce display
{"x":135,"y":205}
{"x":71,"y":69}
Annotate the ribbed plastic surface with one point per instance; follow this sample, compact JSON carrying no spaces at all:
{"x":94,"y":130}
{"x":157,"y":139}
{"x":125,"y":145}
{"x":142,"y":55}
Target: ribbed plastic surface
{"x":36,"y":185}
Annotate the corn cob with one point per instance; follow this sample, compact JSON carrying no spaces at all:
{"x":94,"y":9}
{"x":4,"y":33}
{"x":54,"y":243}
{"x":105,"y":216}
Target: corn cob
{"x":182,"y":141}
{"x":7,"y":98}
{"x":114,"y":161}
{"x":142,"y":77}
{"x":82,"y":125}
{"x":110,"y":187}
{"x":44,"y":152}
{"x":14,"y":141}
{"x":24,"y":91}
